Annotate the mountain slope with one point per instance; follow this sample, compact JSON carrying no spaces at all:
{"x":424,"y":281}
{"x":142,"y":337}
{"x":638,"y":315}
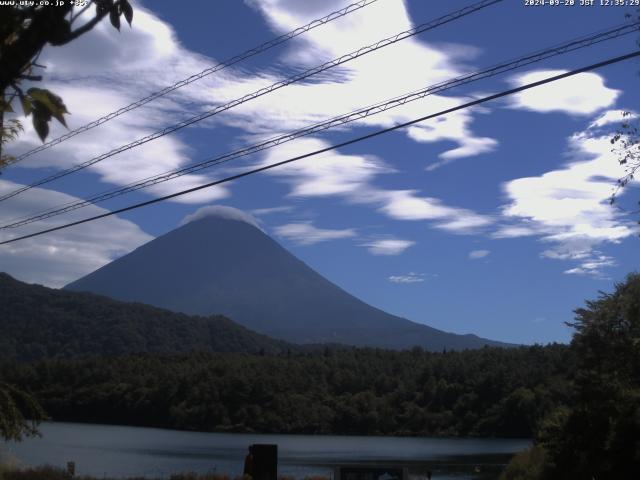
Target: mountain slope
{"x":43,"y":323}
{"x":225,"y":266}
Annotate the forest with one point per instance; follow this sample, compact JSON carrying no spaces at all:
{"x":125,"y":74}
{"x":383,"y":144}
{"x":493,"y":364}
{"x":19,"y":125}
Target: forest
{"x":44,"y":323}
{"x":580,"y":403}
{"x":486,"y":392}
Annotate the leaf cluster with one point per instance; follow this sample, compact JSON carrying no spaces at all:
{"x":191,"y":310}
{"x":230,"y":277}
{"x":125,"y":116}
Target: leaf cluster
{"x":595,"y":435}
{"x":486,"y":392}
{"x":24,"y":31}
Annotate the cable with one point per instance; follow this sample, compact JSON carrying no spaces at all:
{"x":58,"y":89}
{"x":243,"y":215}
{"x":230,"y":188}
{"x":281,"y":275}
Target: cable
{"x":333,"y":147}
{"x":500,"y":68}
{"x":263,"y":91}
{"x":208,"y":71}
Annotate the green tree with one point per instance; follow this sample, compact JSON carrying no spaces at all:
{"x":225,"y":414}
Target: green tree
{"x":598,"y":434}
{"x":24,"y":31}
{"x":626,"y":141}
{"x":20,"y":413}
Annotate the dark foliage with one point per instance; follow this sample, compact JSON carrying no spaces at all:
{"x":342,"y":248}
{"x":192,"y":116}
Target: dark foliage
{"x":597,"y":433}
{"x":38,"y":323}
{"x":599,"y":436}
{"x":486,"y":392}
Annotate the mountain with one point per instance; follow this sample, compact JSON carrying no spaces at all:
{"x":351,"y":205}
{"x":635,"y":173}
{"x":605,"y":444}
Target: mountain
{"x":226,"y":265}
{"x":44,"y":323}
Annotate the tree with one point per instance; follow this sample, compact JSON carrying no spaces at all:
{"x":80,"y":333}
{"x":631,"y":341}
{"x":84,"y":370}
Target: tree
{"x":626,"y":140}
{"x":626,"y":143}
{"x":24,"y":32}
{"x":20,"y":413}
{"x":598,"y":434}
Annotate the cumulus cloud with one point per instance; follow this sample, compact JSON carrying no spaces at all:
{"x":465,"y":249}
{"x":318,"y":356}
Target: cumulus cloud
{"x":612,"y":117}
{"x":127,"y":69}
{"x":351,"y":177}
{"x":221,"y":211}
{"x":326,"y":174}
{"x":58,"y":258}
{"x":581,"y":94}
{"x":569,"y":207}
{"x":305,"y":233}
{"x":404,"y":67}
{"x":476,"y":254}
{"x":149,"y":56}
{"x":154,"y":58}
{"x":408,"y":205}
{"x":411,"y":277}
{"x":388,"y":246}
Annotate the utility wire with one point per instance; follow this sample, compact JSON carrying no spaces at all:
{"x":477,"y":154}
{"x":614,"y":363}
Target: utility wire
{"x":263,"y":91}
{"x":333,"y":147}
{"x":193,"y":78}
{"x":500,"y":68}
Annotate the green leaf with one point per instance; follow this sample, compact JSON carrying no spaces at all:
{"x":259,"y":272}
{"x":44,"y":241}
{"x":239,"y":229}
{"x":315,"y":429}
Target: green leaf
{"x":26,"y":105}
{"x":6,"y":107}
{"x":51,"y":102}
{"x":103,"y":6}
{"x":41,"y":125}
{"x":114,"y":16}
{"x":125,"y":6}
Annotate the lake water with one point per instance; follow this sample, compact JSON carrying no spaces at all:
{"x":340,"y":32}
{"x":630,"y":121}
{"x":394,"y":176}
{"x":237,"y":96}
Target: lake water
{"x":118,"y":451}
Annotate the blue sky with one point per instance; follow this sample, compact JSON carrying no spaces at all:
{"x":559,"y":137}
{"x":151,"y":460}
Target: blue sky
{"x":492,"y":220}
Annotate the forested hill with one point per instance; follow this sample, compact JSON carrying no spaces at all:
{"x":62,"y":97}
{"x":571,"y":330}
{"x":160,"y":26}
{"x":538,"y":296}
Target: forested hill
{"x":43,"y":323}
{"x":228,"y":266}
{"x":484,"y":392}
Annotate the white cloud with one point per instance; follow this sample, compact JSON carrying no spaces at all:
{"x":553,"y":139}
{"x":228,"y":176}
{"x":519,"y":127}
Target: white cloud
{"x":271,"y":210}
{"x":326,"y":174}
{"x":404,"y":67}
{"x":131,"y":65}
{"x":407,"y":205}
{"x":411,"y":277}
{"x":507,"y":231}
{"x":581,"y":94}
{"x":615,"y":117}
{"x":149,"y":57}
{"x":306,"y":234}
{"x":154,"y":58}
{"x":569,"y":207}
{"x":351,"y":177}
{"x":221,"y":211}
{"x":388,"y":246}
{"x":58,"y":258}
{"x":476,"y":254}
{"x":593,"y":267}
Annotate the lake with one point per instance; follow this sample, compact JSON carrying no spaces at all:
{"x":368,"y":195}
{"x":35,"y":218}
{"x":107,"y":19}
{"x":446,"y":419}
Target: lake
{"x":117,"y":451}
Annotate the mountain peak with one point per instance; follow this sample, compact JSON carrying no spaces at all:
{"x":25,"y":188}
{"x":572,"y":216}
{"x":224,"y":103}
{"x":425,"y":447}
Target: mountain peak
{"x":219,"y":262}
{"x":221,"y":211}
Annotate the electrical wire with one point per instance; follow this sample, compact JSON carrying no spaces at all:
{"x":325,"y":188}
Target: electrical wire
{"x":193,"y":78}
{"x":332,"y":147}
{"x":360,"y":114}
{"x":263,"y":91}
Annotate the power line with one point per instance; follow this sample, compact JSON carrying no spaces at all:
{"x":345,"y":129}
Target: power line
{"x":263,"y":91}
{"x":193,"y":78}
{"x":500,"y":68}
{"x":333,"y":147}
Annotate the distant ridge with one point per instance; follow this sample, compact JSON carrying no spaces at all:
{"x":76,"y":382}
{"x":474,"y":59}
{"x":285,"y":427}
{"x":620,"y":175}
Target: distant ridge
{"x":43,"y":323}
{"x":216,"y":265}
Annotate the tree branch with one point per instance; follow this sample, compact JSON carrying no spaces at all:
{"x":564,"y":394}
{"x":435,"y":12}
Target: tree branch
{"x":85,"y":28}
{"x":75,"y":17}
